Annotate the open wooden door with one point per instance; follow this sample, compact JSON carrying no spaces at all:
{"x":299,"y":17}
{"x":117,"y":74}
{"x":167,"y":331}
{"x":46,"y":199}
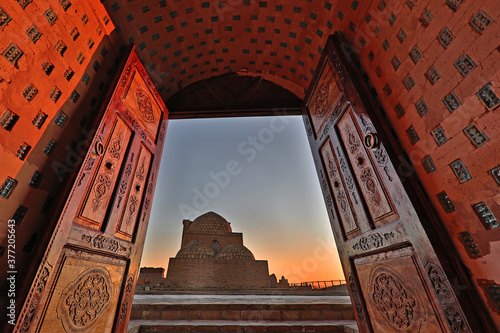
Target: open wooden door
{"x":87,"y":277}
{"x":395,"y":279}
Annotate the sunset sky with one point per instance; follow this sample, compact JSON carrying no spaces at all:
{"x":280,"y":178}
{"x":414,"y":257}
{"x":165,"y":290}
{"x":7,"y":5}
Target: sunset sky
{"x":258,"y":174}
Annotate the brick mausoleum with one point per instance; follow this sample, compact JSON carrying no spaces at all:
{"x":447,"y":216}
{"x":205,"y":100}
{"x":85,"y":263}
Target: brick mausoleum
{"x":401,"y":106}
{"x":214,"y":257}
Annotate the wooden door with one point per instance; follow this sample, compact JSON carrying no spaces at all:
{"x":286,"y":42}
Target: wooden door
{"x":395,"y":279}
{"x":87,"y":278}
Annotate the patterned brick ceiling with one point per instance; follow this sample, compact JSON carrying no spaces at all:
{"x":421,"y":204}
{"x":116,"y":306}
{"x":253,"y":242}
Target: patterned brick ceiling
{"x":183,"y":41}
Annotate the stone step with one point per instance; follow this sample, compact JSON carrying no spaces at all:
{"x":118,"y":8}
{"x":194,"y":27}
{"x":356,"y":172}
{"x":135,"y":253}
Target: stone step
{"x":202,"y":326}
{"x":268,"y":312}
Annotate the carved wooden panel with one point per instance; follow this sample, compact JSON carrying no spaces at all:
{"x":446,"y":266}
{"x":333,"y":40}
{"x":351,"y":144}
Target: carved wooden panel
{"x":130,"y":210}
{"x":327,"y":94}
{"x":346,"y":195}
{"x":85,"y":293}
{"x":139,"y":99}
{"x":99,"y":194}
{"x":378,"y":201}
{"x":393,"y":288}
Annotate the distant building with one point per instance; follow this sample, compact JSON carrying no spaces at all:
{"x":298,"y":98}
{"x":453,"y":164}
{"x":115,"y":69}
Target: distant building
{"x":214,"y":257}
{"x":151,"y":276}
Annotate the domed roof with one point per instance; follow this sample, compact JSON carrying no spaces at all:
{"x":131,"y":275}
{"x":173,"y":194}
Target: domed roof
{"x":195,"y":250}
{"x":210,"y":223}
{"x":235,"y":251}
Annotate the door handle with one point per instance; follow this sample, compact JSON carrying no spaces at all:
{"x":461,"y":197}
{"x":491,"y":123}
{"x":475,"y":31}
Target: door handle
{"x":371,"y":140}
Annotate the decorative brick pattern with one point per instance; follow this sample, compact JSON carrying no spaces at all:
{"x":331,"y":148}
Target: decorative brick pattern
{"x":451,"y":101}
{"x":74,"y":33}
{"x":50,"y":16}
{"x":36,"y":179}
{"x":412,"y":135}
{"x":422,"y":108}
{"x":30,"y":92}
{"x":23,"y":151}
{"x":428,"y":164}
{"x":454,"y":4}
{"x":460,"y":171}
{"x":61,"y":47}
{"x":496,"y":174}
{"x":392,"y":19}
{"x":415,"y":54}
{"x":408,"y":82}
{"x":12,"y":53}
{"x":433,"y":75}
{"x":55,"y":94}
{"x":23,"y":3}
{"x":7,"y":187}
{"x":60,"y":119}
{"x":65,"y":4}
{"x":411,"y":3}
{"x":469,"y":244}
{"x":439,"y":136}
{"x":445,"y":37}
{"x":20,"y":214}
{"x":400,"y":111}
{"x":488,"y":96}
{"x":80,"y":58}
{"x":481,"y":21}
{"x":401,"y":35}
{"x":47,"y":67}
{"x":33,"y":33}
{"x":387,"y":90}
{"x":4,"y":18}
{"x":465,"y":65}
{"x":486,"y":216}
{"x":8,"y":120}
{"x":49,"y":147}
{"x":445,"y":202}
{"x":39,"y":119}
{"x":476,"y":136}
{"x":426,"y":18}
{"x":385,"y":44}
{"x":395,"y":63}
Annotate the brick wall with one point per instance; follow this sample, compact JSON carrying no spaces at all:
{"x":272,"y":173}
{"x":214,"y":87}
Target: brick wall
{"x":215,"y":273}
{"x":435,"y":69}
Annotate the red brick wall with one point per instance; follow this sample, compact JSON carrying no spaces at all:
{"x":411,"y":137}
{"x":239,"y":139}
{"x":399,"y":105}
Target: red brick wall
{"x":220,"y":274}
{"x":374,"y":27}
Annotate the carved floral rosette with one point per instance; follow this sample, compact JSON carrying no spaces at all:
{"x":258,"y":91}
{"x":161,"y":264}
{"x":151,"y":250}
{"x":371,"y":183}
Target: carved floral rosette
{"x":84,"y":300}
{"x":396,"y":300}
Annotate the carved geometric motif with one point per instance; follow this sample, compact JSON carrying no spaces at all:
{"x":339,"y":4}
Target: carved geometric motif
{"x":395,"y":63}
{"x":373,"y":241}
{"x":454,"y":4}
{"x":6,"y":187}
{"x":35,"y":299}
{"x":411,"y":3}
{"x":477,"y":137}
{"x":83,"y":300}
{"x":4,"y":18}
{"x":50,"y":16}
{"x":324,"y":99}
{"x":445,"y":202}
{"x":426,"y":18}
{"x":486,"y":216}
{"x":415,"y":54}
{"x":387,"y":90}
{"x":126,"y":298}
{"x":401,"y":35}
{"x":400,"y":111}
{"x":145,"y":106}
{"x":385,"y":44}
{"x":481,"y":21}
{"x":454,"y":316}
{"x":12,"y":53}
{"x":33,"y":33}
{"x":433,"y":75}
{"x":496,"y":174}
{"x":428,"y":164}
{"x":460,"y":171}
{"x":412,"y":135}
{"x":446,"y":37}
{"x":422,"y":108}
{"x":470,"y":246}
{"x":465,"y":65}
{"x":356,"y":299}
{"x":394,"y":299}
{"x":488,"y":96}
{"x":408,"y":82}
{"x":47,"y":67}
{"x":439,"y":136}
{"x":451,"y":101}
{"x":8,"y":120}
{"x":379,"y":204}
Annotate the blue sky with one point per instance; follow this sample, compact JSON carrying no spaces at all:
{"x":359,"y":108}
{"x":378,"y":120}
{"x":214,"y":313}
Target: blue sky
{"x":256,"y":172}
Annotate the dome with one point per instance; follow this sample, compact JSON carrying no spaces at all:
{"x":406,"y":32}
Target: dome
{"x":195,"y":250}
{"x":235,"y":251}
{"x":210,"y":223}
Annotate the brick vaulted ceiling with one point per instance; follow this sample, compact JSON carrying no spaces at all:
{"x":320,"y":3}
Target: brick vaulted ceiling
{"x":184,"y":41}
